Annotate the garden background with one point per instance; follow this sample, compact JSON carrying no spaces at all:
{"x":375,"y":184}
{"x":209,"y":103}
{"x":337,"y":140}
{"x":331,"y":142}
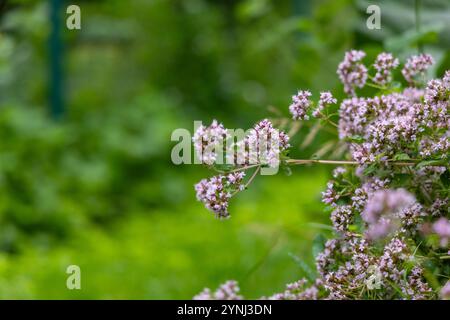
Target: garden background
{"x":85,"y":171}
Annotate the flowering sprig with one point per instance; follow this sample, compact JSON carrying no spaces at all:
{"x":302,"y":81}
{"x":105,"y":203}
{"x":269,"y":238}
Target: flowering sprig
{"x":416,"y":66}
{"x":352,"y":72}
{"x":300,"y":105}
{"x":208,"y":140}
{"x":388,"y":199}
{"x":384,"y":64}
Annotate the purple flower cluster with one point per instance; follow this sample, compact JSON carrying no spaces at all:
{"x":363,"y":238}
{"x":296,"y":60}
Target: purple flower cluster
{"x":362,"y":271}
{"x":338,"y":172}
{"x":442,"y":228}
{"x":326,"y":99}
{"x":262,"y":145}
{"x":297,"y":291}
{"x":343,"y":214}
{"x":354,"y":114}
{"x":384,"y":64}
{"x":352,"y":72}
{"x":438,"y":207}
{"x":393,"y":124}
{"x":416,"y":66}
{"x":359,"y":270}
{"x":439,"y":147}
{"x":382,"y":211}
{"x":217,"y":191}
{"x":342,"y":217}
{"x":445,"y":291}
{"x":416,"y":288}
{"x":361,"y":194}
{"x":413,"y":95}
{"x":227,"y":291}
{"x":300,"y":105}
{"x":208,"y":140}
{"x":330,"y":196}
{"x":342,"y":280}
{"x":385,"y":209}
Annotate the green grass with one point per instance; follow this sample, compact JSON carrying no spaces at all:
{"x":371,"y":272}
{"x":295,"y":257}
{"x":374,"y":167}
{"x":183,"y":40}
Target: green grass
{"x":174,"y":253}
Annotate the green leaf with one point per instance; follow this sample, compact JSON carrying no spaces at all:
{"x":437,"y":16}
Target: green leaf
{"x":310,"y":274}
{"x":445,"y":178}
{"x":370,"y":169}
{"x":318,"y":244}
{"x":411,"y":38}
{"x":401,"y":179}
{"x":430,"y":163}
{"x":224,"y":167}
{"x":401,"y":156}
{"x":355,"y":138}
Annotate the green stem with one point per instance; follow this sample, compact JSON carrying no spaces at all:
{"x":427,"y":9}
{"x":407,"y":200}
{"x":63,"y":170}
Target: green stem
{"x":344,"y":162}
{"x":410,"y":163}
{"x":249,"y":180}
{"x":327,"y":119}
{"x":244,"y":168}
{"x":252,"y":177}
{"x":373,"y":85}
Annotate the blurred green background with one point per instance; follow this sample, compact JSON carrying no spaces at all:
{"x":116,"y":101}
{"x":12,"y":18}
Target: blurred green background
{"x":94,"y":186}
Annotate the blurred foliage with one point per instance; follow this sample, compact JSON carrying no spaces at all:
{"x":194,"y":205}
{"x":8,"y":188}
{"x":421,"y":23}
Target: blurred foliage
{"x":97,"y":187}
{"x":174,"y":253}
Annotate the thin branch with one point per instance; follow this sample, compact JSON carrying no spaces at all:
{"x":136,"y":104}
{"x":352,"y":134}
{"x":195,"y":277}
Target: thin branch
{"x":373,"y":85}
{"x":244,"y":168}
{"x":249,"y":180}
{"x":252,"y":177}
{"x":344,"y":162}
{"x":327,"y":119}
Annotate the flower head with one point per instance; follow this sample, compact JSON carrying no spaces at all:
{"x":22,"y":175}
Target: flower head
{"x":227,"y":291}
{"x":445,"y":291}
{"x":208,"y":140}
{"x":300,"y":105}
{"x":383,"y":210}
{"x":217,"y":191}
{"x":415,"y":66}
{"x":442,"y":229}
{"x":384,"y":64}
{"x":262,"y":145}
{"x":352,"y":72}
{"x":326,"y":99}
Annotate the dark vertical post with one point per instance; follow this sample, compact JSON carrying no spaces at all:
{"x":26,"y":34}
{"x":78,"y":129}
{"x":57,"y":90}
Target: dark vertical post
{"x":55,"y":55}
{"x":301,"y":8}
{"x":417,"y":7}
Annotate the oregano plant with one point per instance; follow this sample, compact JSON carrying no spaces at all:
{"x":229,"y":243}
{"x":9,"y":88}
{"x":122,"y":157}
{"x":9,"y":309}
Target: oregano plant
{"x":389,"y":194}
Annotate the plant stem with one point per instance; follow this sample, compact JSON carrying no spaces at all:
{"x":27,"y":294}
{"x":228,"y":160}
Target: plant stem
{"x":327,"y":119}
{"x":294,"y":162}
{"x":373,"y":85}
{"x":249,"y":180}
{"x":252,"y":177}
{"x":244,"y":168}
{"x":343,"y":162}
{"x":308,"y":161}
